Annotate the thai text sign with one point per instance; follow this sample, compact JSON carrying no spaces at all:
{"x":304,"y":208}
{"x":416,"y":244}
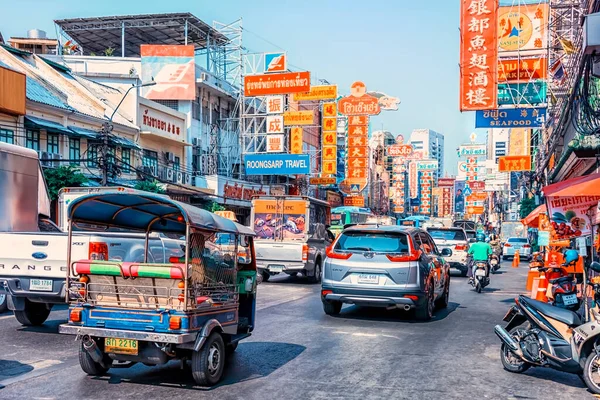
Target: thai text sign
{"x":359,"y":102}
{"x":283,"y":83}
{"x":324,"y":92}
{"x":162,"y":123}
{"x":354,"y":201}
{"x":277,"y":164}
{"x":305,"y":117}
{"x":172,"y":68}
{"x":427,"y":165}
{"x":511,"y":117}
{"x":296,"y":140}
{"x":514,"y":163}
{"x":475,"y":210}
{"x":396,"y":150}
{"x":478,"y":55}
{"x":522,"y":69}
{"x":322,"y":181}
{"x":477,"y":185}
{"x":522,"y":93}
{"x":569,"y":215}
{"x":446,"y":182}
{"x":472,"y":150}
{"x":523,"y":27}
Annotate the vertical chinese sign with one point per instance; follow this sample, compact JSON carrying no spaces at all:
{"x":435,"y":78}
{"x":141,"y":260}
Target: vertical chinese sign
{"x":478,"y":55}
{"x":329,"y":139}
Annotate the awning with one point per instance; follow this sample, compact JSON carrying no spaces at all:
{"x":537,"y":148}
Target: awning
{"x":533,"y":219}
{"x":124,"y":142}
{"x":588,"y":185}
{"x":50,"y":126}
{"x":165,"y":138}
{"x":85,"y":133}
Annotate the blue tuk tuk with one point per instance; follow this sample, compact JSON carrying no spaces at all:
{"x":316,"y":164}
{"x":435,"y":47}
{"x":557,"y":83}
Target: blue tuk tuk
{"x":195,"y":308}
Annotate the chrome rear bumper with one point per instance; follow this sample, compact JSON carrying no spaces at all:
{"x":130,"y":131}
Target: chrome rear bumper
{"x":176,"y":338}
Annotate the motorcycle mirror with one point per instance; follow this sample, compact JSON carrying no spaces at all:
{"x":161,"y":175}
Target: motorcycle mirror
{"x":595,"y":266}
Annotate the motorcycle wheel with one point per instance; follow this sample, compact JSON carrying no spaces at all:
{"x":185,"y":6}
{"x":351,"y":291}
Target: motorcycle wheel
{"x":478,"y":286}
{"x":511,"y":362}
{"x":591,"y":372}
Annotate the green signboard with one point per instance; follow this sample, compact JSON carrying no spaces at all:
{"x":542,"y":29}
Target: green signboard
{"x":522,"y":93}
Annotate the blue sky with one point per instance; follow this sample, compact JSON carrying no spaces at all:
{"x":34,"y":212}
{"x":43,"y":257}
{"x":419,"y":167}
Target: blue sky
{"x":407,"y":49}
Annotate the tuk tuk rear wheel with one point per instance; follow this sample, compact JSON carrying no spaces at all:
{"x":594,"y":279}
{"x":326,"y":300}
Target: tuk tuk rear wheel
{"x":89,"y":366}
{"x":209,"y":361}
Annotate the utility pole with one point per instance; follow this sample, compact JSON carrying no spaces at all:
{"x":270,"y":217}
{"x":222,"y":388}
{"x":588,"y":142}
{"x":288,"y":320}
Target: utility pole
{"x":104,"y":150}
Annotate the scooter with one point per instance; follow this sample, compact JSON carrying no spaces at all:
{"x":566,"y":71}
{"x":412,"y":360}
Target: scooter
{"x":480,"y":278}
{"x":538,"y":334}
{"x":494,"y":263}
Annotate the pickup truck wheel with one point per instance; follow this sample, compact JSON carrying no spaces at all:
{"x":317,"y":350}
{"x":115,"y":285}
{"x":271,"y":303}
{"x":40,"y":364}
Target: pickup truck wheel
{"x":89,"y":366}
{"x":265,"y":276}
{"x":34,"y":314}
{"x":3,"y":303}
{"x":209,"y":361}
{"x":316,"y":278}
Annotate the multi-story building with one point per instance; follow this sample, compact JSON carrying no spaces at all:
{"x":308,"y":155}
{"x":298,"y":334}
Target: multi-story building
{"x":497,"y":143}
{"x":36,"y":42}
{"x":431,"y":144}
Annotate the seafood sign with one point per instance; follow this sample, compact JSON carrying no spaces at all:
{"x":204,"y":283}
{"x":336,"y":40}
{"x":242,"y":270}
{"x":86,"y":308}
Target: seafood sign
{"x":281,"y":219}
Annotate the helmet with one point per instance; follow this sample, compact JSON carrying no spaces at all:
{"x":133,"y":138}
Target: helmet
{"x":480,"y":237}
{"x":571,"y":256}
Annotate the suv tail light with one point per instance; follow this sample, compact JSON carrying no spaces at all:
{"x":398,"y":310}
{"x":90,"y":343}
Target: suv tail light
{"x":526,"y":246}
{"x":98,"y":251}
{"x":338,"y":256}
{"x":460,"y":247}
{"x":506,"y":244}
{"x":305,"y":252}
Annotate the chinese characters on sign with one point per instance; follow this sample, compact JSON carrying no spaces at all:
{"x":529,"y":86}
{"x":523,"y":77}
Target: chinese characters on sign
{"x":525,"y":69}
{"x":355,"y":201}
{"x":478,"y":55}
{"x":425,"y":189}
{"x":275,"y":143}
{"x":275,"y":104}
{"x":329,"y":139}
{"x":296,"y":134}
{"x":514,"y":163}
{"x":523,"y":27}
{"x":511,"y":117}
{"x":274,"y":124}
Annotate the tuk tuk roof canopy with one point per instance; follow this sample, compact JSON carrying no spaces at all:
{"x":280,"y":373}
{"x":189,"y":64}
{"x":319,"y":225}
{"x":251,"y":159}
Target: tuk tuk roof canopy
{"x":148,"y":213}
{"x":588,"y":185}
{"x":533,"y":219}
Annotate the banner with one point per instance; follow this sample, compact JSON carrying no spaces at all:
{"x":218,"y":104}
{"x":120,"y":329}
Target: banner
{"x":281,"y":83}
{"x":316,"y":93}
{"x":569,"y":215}
{"x":511,"y":117}
{"x":277,"y":164}
{"x":296,"y":135}
{"x":459,"y":197}
{"x":478,"y":55}
{"x":522,"y":27}
{"x":522,"y":69}
{"x":354,"y":201}
{"x":472,"y":150}
{"x":403,"y":150}
{"x":322,"y":181}
{"x":304,"y":117}
{"x":173,"y":69}
{"x":514,"y":163}
{"x":427,"y":165}
{"x":519,"y":142}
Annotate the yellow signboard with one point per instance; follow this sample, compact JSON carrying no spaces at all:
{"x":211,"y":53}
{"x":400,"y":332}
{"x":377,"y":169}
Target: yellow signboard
{"x":330,"y":109}
{"x":329,"y":167}
{"x":322,"y":181}
{"x":305,"y":117}
{"x":329,"y":153}
{"x":324,"y":92}
{"x":296,"y":140}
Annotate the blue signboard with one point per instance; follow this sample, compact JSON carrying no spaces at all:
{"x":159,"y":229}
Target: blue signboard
{"x":511,"y":118}
{"x":522,"y":93}
{"x":277,"y":164}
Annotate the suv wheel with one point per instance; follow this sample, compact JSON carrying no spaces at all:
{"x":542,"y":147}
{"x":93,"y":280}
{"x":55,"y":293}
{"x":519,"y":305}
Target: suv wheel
{"x":443,"y":301}
{"x":425,"y":312}
{"x":332,"y":307}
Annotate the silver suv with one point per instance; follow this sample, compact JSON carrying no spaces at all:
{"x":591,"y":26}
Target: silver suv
{"x":386,"y":266}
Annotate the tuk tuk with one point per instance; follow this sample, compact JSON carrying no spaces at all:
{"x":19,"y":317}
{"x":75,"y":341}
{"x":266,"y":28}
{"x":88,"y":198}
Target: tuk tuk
{"x":196,"y":308}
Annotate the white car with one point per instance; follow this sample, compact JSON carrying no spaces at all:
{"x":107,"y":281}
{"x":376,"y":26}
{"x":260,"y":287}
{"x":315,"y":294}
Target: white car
{"x":456,"y":240}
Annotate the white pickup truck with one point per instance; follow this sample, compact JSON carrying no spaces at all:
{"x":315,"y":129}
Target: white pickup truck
{"x":33,"y":265}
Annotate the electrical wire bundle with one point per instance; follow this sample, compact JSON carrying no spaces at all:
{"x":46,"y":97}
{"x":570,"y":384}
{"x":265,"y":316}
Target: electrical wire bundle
{"x":585,"y":110}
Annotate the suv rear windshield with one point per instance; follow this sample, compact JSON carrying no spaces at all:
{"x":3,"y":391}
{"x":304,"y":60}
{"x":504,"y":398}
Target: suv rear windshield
{"x":471,"y":234}
{"x":381,"y":242}
{"x":446,"y":234}
{"x":518,"y":240}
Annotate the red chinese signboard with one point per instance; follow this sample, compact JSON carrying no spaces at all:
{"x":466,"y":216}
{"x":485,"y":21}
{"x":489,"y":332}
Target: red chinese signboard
{"x":477,"y":185}
{"x":478,"y":55}
{"x":524,"y":69}
{"x":514,"y":163}
{"x":359,"y":102}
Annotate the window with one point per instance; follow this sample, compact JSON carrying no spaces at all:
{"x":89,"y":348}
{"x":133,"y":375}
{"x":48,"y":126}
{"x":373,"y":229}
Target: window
{"x":74,"y":151}
{"x":126,"y":160}
{"x":428,"y":245}
{"x":446,"y":234}
{"x":373,"y":241}
{"x":150,"y":159}
{"x":32,"y":140}
{"x":52,"y":145}
{"x":176,"y":164}
{"x":7,"y":136}
{"x":501,"y":145}
{"x":518,"y":240}
{"x":92,"y":155}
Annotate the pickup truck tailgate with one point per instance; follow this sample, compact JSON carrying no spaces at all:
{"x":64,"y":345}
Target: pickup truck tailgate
{"x":38,"y":255}
{"x":275,"y":251}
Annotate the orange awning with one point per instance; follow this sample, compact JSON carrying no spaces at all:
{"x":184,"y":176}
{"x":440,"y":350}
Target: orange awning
{"x":588,"y":185}
{"x":533,"y":219}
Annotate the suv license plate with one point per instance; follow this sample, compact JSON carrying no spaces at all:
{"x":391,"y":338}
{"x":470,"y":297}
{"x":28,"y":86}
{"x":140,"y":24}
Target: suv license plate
{"x":276,"y":268}
{"x":368,"y":279}
{"x":121,"y":346}
{"x":42,"y":285}
{"x":570,"y":299}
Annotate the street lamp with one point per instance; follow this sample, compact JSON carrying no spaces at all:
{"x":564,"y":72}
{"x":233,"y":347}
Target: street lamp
{"x":151,"y":83}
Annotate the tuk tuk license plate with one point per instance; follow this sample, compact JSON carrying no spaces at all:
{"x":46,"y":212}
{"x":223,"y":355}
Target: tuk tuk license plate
{"x":570,"y":299}
{"x":368,"y":279}
{"x":42,"y":285}
{"x":121,"y":346}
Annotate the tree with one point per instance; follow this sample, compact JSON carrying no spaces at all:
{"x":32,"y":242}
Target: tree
{"x":526,"y":206}
{"x":150,"y":186}
{"x":63,"y":176}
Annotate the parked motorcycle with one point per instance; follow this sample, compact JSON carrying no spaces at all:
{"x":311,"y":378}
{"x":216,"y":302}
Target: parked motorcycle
{"x":563,"y":289}
{"x":541,"y":335}
{"x":480,"y":278}
{"x":494,"y":263}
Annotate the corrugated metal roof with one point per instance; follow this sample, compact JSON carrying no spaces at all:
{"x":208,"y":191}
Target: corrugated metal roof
{"x":38,"y":93}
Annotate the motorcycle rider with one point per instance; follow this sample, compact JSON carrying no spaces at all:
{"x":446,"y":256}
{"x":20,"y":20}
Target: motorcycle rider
{"x":479,"y":251}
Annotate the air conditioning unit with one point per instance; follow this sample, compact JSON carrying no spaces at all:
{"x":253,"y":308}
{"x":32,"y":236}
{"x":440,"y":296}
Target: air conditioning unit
{"x":56,"y":157}
{"x":179,"y":177}
{"x":204,"y":76}
{"x":170,"y":174}
{"x":45,"y":158}
{"x":186,"y":179}
{"x":170,"y":157}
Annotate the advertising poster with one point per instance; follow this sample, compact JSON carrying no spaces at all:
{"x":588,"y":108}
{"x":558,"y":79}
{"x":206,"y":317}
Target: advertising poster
{"x":459,"y":197}
{"x":512,"y":117}
{"x":569,"y":216}
{"x":280,"y":219}
{"x":173,"y":69}
{"x":522,"y":27}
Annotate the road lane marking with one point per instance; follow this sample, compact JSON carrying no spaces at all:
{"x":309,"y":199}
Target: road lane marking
{"x":6,"y":317}
{"x":40,"y":367}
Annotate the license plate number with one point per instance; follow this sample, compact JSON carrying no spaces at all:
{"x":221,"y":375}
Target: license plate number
{"x":276,"y":268}
{"x":570,"y":299}
{"x":44,"y":285}
{"x":480,"y":272}
{"x":368,"y":279}
{"x":121,"y":346}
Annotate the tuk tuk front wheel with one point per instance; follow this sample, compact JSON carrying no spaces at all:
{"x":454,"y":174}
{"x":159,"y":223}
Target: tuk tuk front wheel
{"x":209,"y":361}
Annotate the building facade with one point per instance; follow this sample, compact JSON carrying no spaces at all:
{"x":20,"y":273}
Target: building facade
{"x":431,"y":144}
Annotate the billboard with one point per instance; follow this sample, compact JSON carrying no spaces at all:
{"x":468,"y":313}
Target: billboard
{"x":478,"y":55}
{"x":522,"y":27}
{"x":514,"y":163}
{"x":275,"y":62}
{"x":459,"y":197}
{"x":511,"y":117}
{"x":403,"y":150}
{"x":277,"y":164}
{"x":322,"y":92}
{"x":522,"y":69}
{"x":472,"y":150}
{"x":305,"y":117}
{"x":173,"y":69}
{"x":359,"y":102}
{"x":280,"y":83}
{"x":522,"y":93}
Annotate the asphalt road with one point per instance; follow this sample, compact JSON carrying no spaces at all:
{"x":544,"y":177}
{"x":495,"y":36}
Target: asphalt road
{"x":298,"y":352}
